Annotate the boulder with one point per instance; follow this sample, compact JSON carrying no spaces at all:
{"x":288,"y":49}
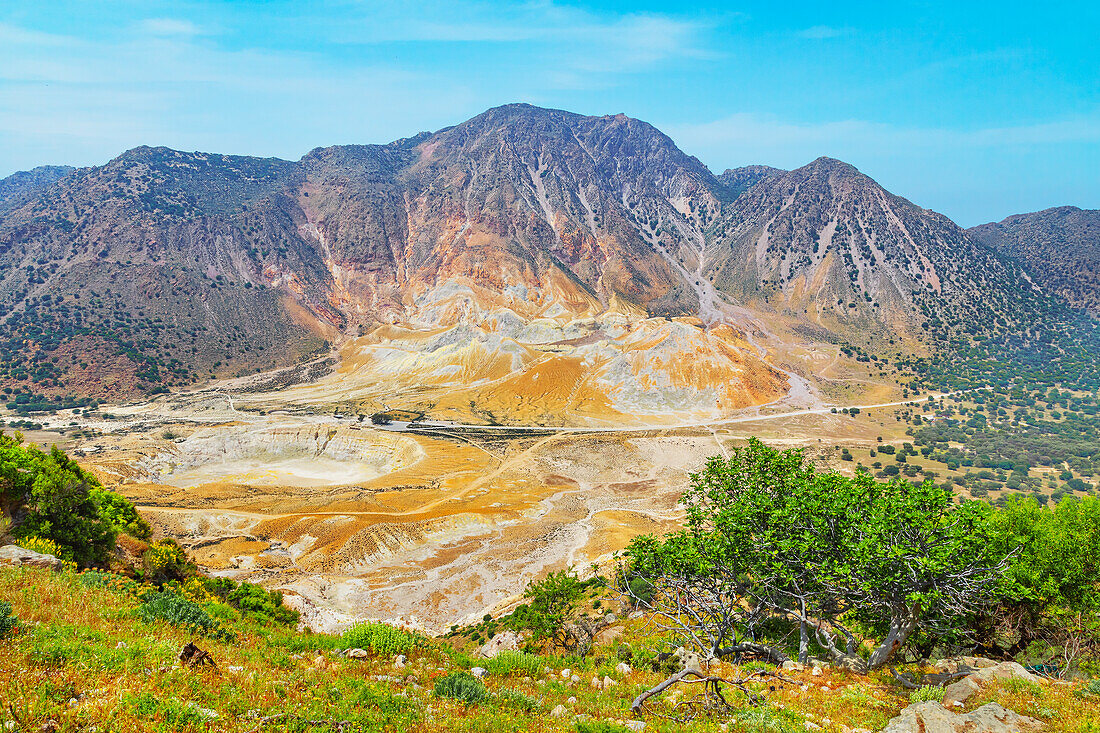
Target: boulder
{"x":608,"y":635}
{"x":954,"y":665}
{"x":792,"y":666}
{"x":689,"y":660}
{"x":15,"y":556}
{"x":356,"y":654}
{"x":962,"y":690}
{"x":559,"y":712}
{"x":623,"y":668}
{"x":478,"y":671}
{"x":504,"y":641}
{"x":930,"y":716}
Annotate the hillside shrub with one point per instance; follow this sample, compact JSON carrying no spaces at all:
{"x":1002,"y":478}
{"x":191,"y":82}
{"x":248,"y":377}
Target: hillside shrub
{"x":8,"y":621}
{"x":512,"y":662}
{"x":120,"y":513}
{"x":516,"y":700}
{"x":48,"y":496}
{"x":381,"y":639}
{"x":166,"y":560}
{"x":925,"y":693}
{"x":176,"y":609}
{"x":462,"y":686}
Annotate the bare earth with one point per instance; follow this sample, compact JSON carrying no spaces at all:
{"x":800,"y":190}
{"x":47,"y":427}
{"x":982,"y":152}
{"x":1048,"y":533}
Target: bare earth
{"x":292,"y":488}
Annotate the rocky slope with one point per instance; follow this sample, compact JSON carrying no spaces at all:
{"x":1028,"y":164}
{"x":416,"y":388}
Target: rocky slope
{"x":826,"y":244}
{"x":1060,"y":247}
{"x":162,"y":267}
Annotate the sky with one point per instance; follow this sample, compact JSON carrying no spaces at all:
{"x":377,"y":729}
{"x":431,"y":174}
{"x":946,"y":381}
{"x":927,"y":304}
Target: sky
{"x":977,"y":110}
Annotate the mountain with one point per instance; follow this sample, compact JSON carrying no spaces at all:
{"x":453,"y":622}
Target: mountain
{"x":1060,"y":247}
{"x":19,"y":187}
{"x":470,"y":260}
{"x":827,"y":244}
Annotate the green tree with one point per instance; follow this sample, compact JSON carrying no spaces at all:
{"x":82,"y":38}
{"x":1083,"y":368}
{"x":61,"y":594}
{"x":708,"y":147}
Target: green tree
{"x":769,"y":536}
{"x":48,"y":495}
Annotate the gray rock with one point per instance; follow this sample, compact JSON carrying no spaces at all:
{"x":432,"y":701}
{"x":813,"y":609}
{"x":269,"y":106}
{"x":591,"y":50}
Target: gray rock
{"x":15,"y":556}
{"x":962,"y":690}
{"x":478,"y":671}
{"x":931,"y":717}
{"x":356,"y":654}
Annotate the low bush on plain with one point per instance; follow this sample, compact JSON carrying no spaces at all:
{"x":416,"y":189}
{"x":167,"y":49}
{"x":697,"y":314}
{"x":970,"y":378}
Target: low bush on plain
{"x":381,"y":639}
{"x":512,"y":662}
{"x":462,"y":686}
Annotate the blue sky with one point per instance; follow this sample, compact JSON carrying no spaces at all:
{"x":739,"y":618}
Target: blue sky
{"x":974,"y":109}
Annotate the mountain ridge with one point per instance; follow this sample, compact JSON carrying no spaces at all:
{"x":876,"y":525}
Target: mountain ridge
{"x":186,"y":265}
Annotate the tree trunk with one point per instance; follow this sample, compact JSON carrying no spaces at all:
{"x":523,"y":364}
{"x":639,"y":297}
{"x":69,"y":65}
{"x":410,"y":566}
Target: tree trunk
{"x":902,"y":623}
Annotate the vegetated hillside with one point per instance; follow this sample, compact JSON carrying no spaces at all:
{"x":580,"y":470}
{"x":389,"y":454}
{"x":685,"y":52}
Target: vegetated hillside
{"x":163,"y":267}
{"x":20,"y":186}
{"x":1060,"y":247}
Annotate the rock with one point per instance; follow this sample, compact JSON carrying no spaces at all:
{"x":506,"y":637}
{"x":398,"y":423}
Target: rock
{"x":623,"y":668}
{"x":931,"y":716}
{"x":566,"y":673}
{"x":853,"y":663}
{"x":610,"y":618}
{"x":478,"y":671}
{"x":608,"y":635}
{"x":572,"y":701}
{"x":689,"y":660}
{"x":15,"y":556}
{"x":636,"y":614}
{"x":792,"y":666}
{"x":956,"y":664}
{"x":635,"y":725}
{"x":574,"y":679}
{"x":559,"y":712}
{"x":356,"y":653}
{"x":962,"y":690}
{"x":595,"y":685}
{"x":607,"y":683}
{"x":816,"y":671}
{"x":121,"y":645}
{"x":399,"y":661}
{"x":504,"y":641}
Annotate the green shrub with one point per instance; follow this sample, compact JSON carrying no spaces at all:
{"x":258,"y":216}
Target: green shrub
{"x":462,"y":686}
{"x":120,"y":513}
{"x":253,"y":601}
{"x":166,"y":560}
{"x":1092,"y":689}
{"x":510,"y":662}
{"x":175,"y":609}
{"x":8,"y":621}
{"x":52,"y":496}
{"x":381,"y":638}
{"x":926,"y":692}
{"x":517,"y":700}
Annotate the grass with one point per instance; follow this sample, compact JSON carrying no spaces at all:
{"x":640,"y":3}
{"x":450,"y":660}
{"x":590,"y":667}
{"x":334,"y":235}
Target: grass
{"x":84,"y":656}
